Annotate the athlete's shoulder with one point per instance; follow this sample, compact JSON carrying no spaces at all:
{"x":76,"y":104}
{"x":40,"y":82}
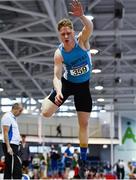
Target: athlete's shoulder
{"x":60,"y":47}
{"x":57,"y":52}
{"x":58,"y":56}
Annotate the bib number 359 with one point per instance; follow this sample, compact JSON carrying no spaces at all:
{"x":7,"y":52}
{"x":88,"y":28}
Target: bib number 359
{"x":78,"y":71}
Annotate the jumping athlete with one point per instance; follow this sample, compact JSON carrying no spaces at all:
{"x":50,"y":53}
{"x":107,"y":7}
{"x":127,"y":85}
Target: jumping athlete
{"x":74,"y":54}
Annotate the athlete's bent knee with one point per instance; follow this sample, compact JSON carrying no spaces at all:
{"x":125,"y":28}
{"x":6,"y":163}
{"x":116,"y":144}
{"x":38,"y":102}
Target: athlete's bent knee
{"x":46,"y":114}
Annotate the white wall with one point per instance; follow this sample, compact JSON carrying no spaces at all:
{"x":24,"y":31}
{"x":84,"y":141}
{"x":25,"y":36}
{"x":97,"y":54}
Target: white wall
{"x":127,"y":151}
{"x":28,"y":124}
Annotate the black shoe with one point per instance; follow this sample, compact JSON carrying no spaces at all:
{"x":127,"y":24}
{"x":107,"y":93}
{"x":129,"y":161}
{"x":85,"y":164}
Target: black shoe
{"x":82,"y":169}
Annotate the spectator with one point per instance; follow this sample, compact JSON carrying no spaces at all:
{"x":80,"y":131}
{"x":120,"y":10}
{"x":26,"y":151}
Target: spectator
{"x":107,"y":167}
{"x":75,"y":158}
{"x":75,"y":164}
{"x":58,"y":129}
{"x":68,"y":160}
{"x":43,"y":164}
{"x":2,"y":164}
{"x":120,"y":169}
{"x":25,"y":154}
{"x":54,"y":161}
{"x":36,"y":166}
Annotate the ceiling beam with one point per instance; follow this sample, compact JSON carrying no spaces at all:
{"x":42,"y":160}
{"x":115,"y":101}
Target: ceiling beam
{"x":51,"y":15}
{"x":32,"y":42}
{"x":16,"y":82}
{"x":99,"y":33}
{"x":93,"y":4}
{"x":31,"y":13}
{"x":22,"y":67}
{"x":94,"y":58}
{"x":35,"y":22}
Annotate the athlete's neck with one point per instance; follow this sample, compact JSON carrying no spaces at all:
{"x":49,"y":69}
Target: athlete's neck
{"x":69,"y":46}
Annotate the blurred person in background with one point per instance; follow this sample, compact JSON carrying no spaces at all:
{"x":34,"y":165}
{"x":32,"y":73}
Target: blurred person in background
{"x":59,"y":131}
{"x":36,"y":166}
{"x":11,"y":139}
{"x":75,"y":164}
{"x":68,"y":157}
{"x":54,"y":155}
{"x":25,"y":154}
{"x":2,"y":164}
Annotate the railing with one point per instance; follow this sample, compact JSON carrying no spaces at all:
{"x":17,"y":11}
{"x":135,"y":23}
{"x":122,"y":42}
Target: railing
{"x":67,"y":131}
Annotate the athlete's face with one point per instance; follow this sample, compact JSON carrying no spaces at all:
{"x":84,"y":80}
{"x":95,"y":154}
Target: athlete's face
{"x":66,"y":35}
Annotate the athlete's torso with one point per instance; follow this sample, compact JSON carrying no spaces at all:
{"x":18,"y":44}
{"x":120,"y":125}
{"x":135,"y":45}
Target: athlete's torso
{"x":77,"y":64}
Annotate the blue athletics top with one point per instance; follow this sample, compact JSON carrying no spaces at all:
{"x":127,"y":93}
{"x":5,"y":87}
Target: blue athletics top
{"x":77,"y":64}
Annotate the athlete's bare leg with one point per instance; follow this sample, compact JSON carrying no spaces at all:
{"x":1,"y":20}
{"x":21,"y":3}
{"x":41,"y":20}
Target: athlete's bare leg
{"x":83,"y":120}
{"x":48,"y":108}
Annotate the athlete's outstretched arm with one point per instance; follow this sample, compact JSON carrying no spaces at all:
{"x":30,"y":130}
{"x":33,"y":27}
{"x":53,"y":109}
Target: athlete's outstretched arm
{"x":77,"y":10}
{"x":57,"y":77}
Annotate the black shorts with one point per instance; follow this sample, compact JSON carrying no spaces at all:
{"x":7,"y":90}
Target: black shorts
{"x":81,"y":93}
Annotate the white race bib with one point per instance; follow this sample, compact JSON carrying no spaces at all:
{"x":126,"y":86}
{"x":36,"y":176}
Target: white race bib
{"x":79,"y":70}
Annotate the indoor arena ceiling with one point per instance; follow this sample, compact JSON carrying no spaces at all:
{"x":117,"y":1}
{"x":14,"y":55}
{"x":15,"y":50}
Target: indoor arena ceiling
{"x":28,"y":39}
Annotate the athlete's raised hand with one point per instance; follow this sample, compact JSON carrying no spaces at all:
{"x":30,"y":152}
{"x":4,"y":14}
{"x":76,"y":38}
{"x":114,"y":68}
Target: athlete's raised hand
{"x":76,"y":8}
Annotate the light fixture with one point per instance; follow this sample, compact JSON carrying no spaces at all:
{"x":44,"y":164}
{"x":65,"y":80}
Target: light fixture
{"x":96,"y":71}
{"x":105,"y":146}
{"x":118,"y":80}
{"x":100,"y":100}
{"x":94,"y":51}
{"x":102,"y":110}
{"x":99,"y":88}
{"x":119,"y":10}
{"x":1,"y":89}
{"x":105,"y":122}
{"x":96,"y":65}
